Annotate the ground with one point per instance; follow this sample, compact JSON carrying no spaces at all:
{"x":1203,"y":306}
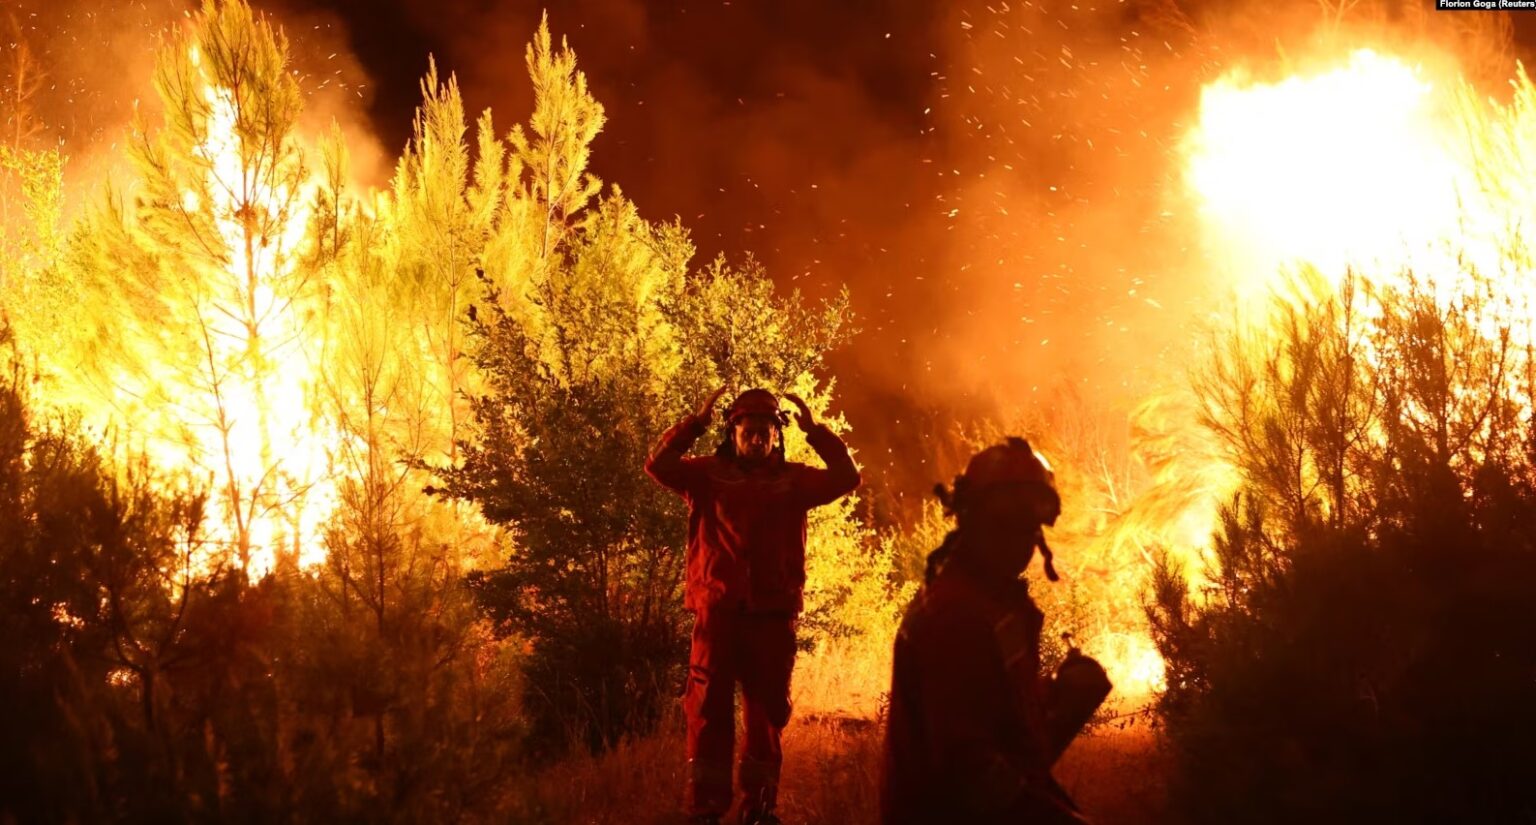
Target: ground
{"x":831,"y":775}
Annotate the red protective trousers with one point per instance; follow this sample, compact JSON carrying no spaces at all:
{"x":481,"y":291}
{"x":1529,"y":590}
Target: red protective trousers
{"x":757,"y":650}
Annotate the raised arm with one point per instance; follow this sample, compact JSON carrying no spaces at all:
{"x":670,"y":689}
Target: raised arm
{"x":667,"y":464}
{"x":840,"y":477}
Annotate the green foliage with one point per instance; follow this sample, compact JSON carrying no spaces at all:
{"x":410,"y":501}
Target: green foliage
{"x":591,"y":338}
{"x":594,"y":577}
{"x":591,"y":582}
{"x":1365,"y":648}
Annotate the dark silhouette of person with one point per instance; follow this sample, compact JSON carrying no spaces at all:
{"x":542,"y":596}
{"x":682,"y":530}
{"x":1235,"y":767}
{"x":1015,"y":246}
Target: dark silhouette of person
{"x":973,"y":727}
{"x":747,"y":510}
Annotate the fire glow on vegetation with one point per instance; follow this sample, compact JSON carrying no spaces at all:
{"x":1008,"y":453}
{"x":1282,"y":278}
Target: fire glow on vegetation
{"x":1406,"y":181}
{"x":1374,"y":168}
{"x":1371,"y":166}
{"x":1135,"y":667}
{"x":1370,"y":161}
{"x":272,"y":462}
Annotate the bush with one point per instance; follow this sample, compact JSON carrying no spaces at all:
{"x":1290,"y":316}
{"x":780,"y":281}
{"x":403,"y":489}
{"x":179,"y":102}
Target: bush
{"x":1365,"y":650}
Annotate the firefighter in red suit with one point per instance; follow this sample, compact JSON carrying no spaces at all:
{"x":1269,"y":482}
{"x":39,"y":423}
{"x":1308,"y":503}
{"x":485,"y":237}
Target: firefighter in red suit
{"x":747,"y":510}
{"x":973,"y":727}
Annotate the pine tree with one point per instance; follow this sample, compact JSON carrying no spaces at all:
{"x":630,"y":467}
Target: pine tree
{"x":389,"y":633}
{"x":201,"y":275}
{"x":442,"y":213}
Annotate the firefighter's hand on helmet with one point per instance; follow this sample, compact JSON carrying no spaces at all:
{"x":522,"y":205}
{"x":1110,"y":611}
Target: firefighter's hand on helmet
{"x":706,"y":411}
{"x":803,"y":415}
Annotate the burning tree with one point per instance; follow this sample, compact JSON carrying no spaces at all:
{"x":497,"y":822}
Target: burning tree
{"x":201,"y":331}
{"x":195,"y":683}
{"x":31,"y":200}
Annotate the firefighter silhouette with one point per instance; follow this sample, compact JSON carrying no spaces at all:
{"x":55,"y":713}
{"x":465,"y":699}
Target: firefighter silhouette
{"x":747,"y":511}
{"x":973,"y":727}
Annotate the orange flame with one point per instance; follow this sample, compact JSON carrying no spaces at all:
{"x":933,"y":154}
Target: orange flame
{"x":1374,"y":166}
{"x":1347,"y":167}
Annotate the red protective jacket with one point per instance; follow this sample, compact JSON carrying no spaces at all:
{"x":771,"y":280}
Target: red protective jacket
{"x":968,"y":737}
{"x":746,"y":529}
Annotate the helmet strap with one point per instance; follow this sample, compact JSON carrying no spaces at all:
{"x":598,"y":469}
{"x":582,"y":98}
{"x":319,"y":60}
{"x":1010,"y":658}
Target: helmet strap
{"x":1045,"y":555}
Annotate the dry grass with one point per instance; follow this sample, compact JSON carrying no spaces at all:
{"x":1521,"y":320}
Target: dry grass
{"x":1118,"y":774}
{"x":832,"y":760}
{"x":844,"y":677}
{"x":831,"y":775}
